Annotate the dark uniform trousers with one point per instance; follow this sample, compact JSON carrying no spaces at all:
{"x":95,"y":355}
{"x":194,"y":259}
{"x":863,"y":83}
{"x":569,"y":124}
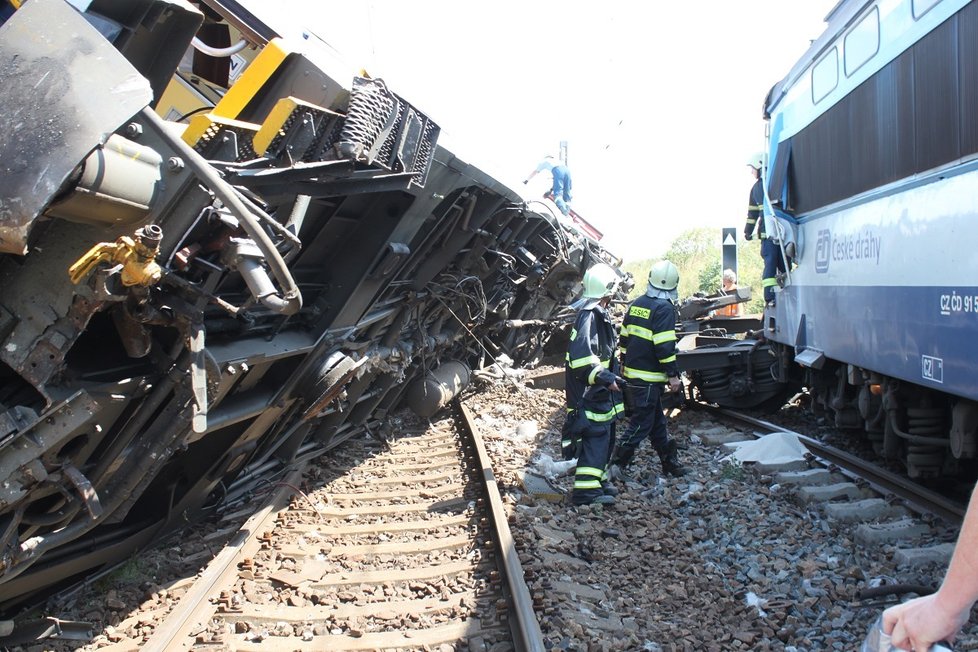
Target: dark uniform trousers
{"x":773,"y":265}
{"x":644,"y":402}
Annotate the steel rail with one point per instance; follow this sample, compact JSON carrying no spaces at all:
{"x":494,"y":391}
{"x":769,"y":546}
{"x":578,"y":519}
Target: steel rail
{"x":195,"y":607}
{"x":524,"y":625}
{"x":881,"y":480}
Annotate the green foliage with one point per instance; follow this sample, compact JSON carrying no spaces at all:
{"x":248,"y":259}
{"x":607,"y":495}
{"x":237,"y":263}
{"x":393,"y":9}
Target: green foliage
{"x":131,"y":572}
{"x":697,"y":254}
{"x":711,"y":277}
{"x":732,"y":471}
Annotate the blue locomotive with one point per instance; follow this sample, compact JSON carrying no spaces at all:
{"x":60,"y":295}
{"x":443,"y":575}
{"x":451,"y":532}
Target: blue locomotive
{"x":870,"y":193}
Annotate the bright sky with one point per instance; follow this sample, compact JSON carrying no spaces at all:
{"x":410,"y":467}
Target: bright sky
{"x":660,"y":102}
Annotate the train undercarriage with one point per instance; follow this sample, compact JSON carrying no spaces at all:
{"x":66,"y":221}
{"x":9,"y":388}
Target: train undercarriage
{"x":931,"y":434}
{"x":190,"y":300}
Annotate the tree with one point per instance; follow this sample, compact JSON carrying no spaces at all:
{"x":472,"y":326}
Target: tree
{"x":697,"y":255}
{"x":710,"y":279}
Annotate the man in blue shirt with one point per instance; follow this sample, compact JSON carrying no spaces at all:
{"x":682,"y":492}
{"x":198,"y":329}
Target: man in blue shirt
{"x":561,"y":189}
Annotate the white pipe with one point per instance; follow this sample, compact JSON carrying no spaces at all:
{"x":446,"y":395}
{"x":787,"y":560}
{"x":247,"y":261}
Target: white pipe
{"x":219,"y":52}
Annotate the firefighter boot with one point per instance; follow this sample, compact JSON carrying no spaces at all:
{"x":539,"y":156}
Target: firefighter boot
{"x":669,"y":457}
{"x":621,"y":457}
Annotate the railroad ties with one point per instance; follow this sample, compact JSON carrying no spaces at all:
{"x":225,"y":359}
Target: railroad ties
{"x":388,"y":545}
{"x":881,"y":508}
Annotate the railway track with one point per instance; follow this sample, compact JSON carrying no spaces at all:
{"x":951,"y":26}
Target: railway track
{"x":691,"y":551}
{"x":883,"y":512}
{"x":407,"y":548}
{"x":891,"y":485}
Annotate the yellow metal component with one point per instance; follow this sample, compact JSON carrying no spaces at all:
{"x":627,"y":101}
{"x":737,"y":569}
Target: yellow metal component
{"x":253,"y":79}
{"x":187,"y":94}
{"x":138,"y":262}
{"x":205,"y":126}
{"x":16,"y":3}
{"x":278,"y":120}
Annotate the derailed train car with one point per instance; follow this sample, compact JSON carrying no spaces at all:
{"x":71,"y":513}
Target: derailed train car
{"x":185,"y":300}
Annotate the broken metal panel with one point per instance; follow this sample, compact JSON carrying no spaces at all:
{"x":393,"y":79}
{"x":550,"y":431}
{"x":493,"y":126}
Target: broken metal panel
{"x":64,"y":89}
{"x":20,"y":465}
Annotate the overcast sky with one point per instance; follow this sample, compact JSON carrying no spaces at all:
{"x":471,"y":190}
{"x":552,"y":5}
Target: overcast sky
{"x":660,"y":102}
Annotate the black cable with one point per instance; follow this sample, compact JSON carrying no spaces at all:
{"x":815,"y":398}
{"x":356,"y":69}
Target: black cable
{"x":194,"y":112}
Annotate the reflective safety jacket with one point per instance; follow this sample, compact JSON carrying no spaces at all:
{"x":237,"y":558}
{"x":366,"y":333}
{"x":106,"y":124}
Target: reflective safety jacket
{"x":591,"y":366}
{"x":755,"y":206}
{"x":648,"y":340}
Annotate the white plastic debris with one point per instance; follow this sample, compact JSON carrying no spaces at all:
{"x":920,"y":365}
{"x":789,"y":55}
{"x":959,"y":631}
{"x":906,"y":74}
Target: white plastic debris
{"x":753,"y":600}
{"x":776,"y":448}
{"x":550,"y":468}
{"x":527,"y":430}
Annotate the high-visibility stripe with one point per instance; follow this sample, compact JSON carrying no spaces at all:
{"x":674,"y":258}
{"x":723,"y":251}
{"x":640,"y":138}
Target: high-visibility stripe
{"x":589,"y":470}
{"x":593,"y":375}
{"x":639,"y":331}
{"x":769,"y":282}
{"x":664,"y":336}
{"x":583,"y":362}
{"x":752,"y":220}
{"x":587,"y":484}
{"x":601,"y":417}
{"x":671,"y":358}
{"x":647,"y":376}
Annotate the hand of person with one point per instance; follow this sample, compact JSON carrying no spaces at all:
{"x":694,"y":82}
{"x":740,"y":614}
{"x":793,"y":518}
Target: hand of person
{"x":614,"y":386}
{"x":675,"y":384}
{"x":748,"y":235}
{"x":917,"y":624}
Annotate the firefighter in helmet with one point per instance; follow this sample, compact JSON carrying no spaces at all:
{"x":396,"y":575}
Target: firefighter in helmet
{"x":594,"y":400}
{"x":648,"y":350}
{"x":770,"y":250}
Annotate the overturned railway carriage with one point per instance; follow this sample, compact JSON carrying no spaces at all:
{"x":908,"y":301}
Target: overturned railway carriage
{"x":189,"y":299}
{"x":871,"y":177}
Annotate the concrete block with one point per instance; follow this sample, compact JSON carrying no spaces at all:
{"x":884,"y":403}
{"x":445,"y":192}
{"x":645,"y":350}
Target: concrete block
{"x":765,"y":468}
{"x":807,"y":478}
{"x":875,"y":534}
{"x":539,"y":487}
{"x":918,"y":557}
{"x":827,"y":492}
{"x":721,"y":436}
{"x":547,"y":380}
{"x":869,"y":509}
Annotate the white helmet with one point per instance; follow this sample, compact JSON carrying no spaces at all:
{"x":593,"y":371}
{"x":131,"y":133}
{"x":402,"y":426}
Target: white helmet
{"x":757,"y":160}
{"x":664,"y":276}
{"x":600,"y":281}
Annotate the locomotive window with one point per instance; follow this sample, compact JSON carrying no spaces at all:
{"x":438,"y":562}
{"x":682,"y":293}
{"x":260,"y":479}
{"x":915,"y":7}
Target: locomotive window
{"x":862,"y":42}
{"x":825,"y":76}
{"x":921,"y":7}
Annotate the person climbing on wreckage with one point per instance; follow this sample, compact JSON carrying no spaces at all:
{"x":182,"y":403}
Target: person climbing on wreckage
{"x":592,"y":389}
